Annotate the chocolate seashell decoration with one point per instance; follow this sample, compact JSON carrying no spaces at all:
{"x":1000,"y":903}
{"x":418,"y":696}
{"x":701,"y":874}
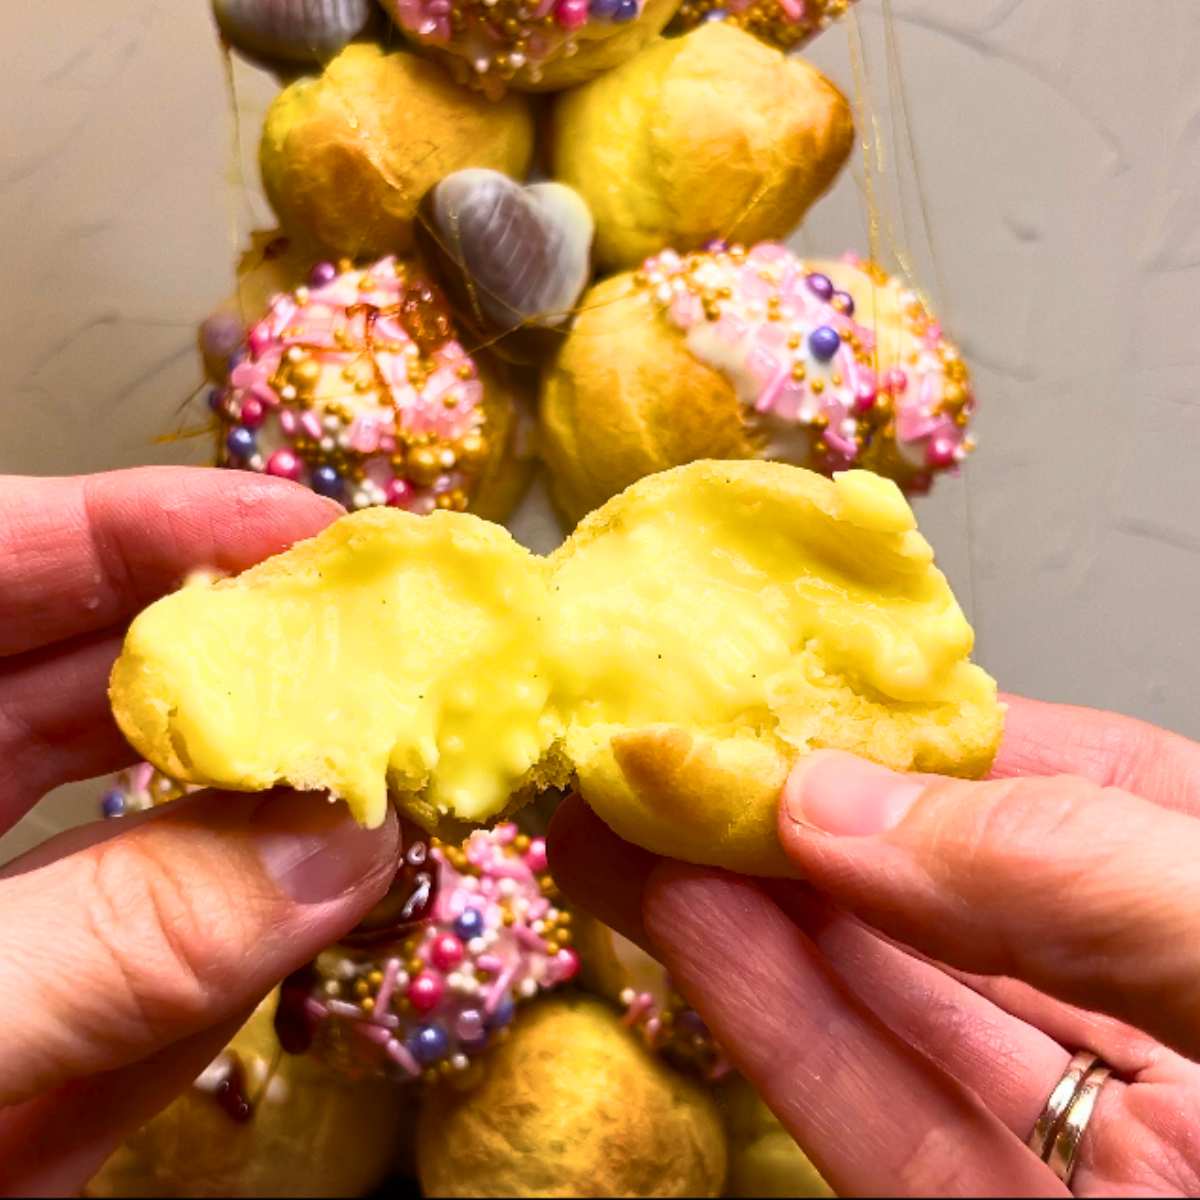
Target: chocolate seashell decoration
{"x":513,"y":260}
{"x":292,"y":31}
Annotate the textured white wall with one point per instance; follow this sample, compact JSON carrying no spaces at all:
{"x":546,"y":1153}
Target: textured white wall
{"x":1059,"y":151}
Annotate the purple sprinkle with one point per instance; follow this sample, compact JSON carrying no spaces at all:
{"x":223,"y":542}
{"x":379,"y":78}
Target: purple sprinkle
{"x":323,"y":273}
{"x":820,"y":285}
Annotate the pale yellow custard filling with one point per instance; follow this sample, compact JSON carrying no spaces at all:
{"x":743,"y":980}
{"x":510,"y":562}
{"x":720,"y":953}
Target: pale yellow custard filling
{"x":675,"y":655}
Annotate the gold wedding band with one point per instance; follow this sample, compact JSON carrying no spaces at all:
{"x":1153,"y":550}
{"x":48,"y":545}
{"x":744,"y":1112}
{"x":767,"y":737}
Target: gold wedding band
{"x":1059,"y":1129}
{"x":1065,"y":1151}
{"x":1046,"y":1126}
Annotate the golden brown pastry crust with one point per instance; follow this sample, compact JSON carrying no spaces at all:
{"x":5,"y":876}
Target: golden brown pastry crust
{"x":710,"y":135}
{"x":572,"y":1105}
{"x":347,"y":156}
{"x":625,"y":398}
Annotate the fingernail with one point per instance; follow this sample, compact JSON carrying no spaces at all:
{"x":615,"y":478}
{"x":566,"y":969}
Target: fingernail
{"x":848,"y":796}
{"x":315,"y":850}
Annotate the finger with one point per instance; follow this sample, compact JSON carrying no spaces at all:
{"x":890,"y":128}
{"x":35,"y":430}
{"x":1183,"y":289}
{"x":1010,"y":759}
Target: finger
{"x":85,"y":553}
{"x":1031,"y":878}
{"x":147,"y":938}
{"x":1128,"y":1050}
{"x":1010,"y":1067}
{"x":875,"y":1116}
{"x":1106,"y":748}
{"x":83,"y":837}
{"x":55,"y":722}
{"x":52,"y":1145}
{"x":1008,"y":1064}
{"x":598,"y":871}
{"x":1002,"y":1059}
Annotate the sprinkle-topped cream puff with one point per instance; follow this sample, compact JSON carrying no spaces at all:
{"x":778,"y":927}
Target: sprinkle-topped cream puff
{"x":419,"y":994}
{"x":731,"y":352}
{"x":785,"y":24}
{"x":356,"y":385}
{"x":531,"y":45}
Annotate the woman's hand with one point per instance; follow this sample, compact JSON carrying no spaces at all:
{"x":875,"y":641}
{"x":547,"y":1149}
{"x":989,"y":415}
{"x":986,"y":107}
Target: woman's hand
{"x":131,"y":951}
{"x":907,"y":1012}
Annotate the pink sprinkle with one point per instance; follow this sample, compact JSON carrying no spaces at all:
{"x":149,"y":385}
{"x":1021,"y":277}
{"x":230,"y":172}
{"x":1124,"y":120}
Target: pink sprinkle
{"x":399,"y":1054}
{"x":383,"y":997}
{"x":489,"y":963}
{"x":311,"y":424}
{"x":260,"y":338}
{"x":314,"y":1009}
{"x":941,"y":452}
{"x":766,"y":398}
{"x":425,"y":991}
{"x":641,"y":1004}
{"x":376,"y":1033}
{"x":720,"y":1068}
{"x":566,"y":964}
{"x":288,"y":422}
{"x":252,"y":412}
{"x":535,"y":856}
{"x":507,"y":868}
{"x":529,"y":939}
{"x":364,"y":435}
{"x":499,"y":989}
{"x":572,"y":14}
{"x":399,"y":492}
{"x":340,"y":1008}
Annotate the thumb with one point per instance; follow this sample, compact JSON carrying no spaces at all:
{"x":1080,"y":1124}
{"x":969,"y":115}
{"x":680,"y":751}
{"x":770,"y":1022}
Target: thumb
{"x":1087,"y":893}
{"x":179,"y":922}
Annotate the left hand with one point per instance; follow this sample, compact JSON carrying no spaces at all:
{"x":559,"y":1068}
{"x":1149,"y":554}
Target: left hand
{"x":130,"y":951}
{"x":907,"y":1015}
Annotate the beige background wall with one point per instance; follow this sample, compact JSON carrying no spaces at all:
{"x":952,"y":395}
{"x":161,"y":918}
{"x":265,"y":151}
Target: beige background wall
{"x":1058,"y":144}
